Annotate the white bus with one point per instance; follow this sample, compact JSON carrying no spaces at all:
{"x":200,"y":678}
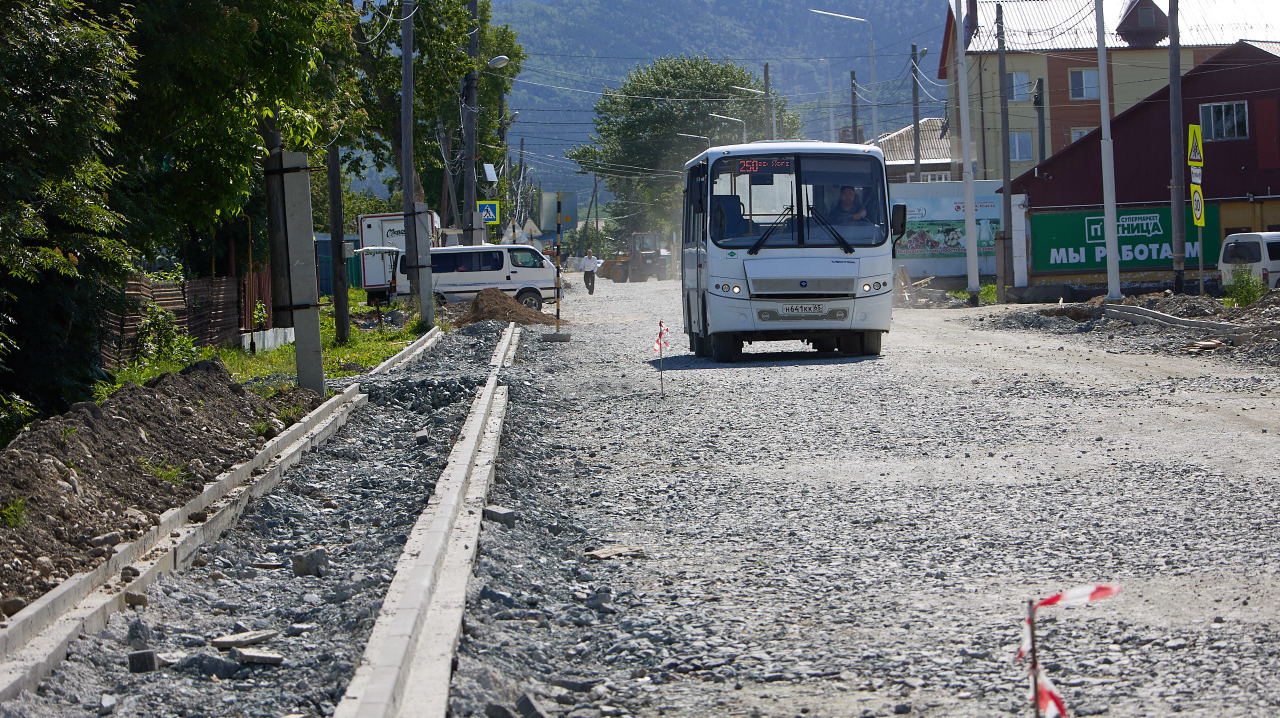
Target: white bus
{"x":787,"y":240}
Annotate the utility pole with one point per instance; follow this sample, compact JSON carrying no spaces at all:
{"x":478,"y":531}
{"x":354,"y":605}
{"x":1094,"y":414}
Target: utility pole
{"x":337,"y":247}
{"x":1006,"y":208}
{"x":1177,"y":221}
{"x":1108,"y":161}
{"x":915,"y":106}
{"x":853,"y":99}
{"x":960,"y":68}
{"x":409,"y":175}
{"x":768,"y":106}
{"x":1039,"y":103}
{"x":469,"y":111}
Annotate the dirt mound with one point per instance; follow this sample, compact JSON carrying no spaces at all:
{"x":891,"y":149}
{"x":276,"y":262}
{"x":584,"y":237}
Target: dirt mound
{"x":1189,"y":306}
{"x":74,"y":485}
{"x":493,"y":305}
{"x":1264,"y":311}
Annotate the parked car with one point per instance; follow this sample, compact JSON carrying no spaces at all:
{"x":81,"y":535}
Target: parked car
{"x":520,"y":271}
{"x":1259,"y":252}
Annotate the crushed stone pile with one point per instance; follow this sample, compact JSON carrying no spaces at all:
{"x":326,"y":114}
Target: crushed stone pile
{"x":494,"y":305}
{"x":75,"y":485}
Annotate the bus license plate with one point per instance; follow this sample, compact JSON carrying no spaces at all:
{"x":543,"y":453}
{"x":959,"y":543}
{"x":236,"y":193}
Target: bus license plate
{"x":805,"y":309}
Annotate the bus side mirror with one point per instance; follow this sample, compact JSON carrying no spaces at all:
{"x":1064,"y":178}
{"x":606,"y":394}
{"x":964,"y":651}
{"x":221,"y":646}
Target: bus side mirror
{"x":898,"y":221}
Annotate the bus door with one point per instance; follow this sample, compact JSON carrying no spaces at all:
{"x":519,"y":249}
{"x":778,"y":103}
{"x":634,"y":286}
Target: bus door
{"x":694,"y":247}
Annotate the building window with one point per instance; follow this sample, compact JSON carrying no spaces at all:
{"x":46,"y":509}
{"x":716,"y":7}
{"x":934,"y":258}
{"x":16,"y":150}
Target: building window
{"x":1084,"y":84}
{"x":1017,"y":85}
{"x":1146,"y":17}
{"x":1224,"y":121}
{"x":1020,"y":147}
{"x":1078,"y":132}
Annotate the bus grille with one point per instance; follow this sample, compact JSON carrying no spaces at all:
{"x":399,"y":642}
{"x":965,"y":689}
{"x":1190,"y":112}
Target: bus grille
{"x":815,"y":285}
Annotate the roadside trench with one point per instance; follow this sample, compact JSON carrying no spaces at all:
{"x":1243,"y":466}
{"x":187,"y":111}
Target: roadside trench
{"x":307,"y":566}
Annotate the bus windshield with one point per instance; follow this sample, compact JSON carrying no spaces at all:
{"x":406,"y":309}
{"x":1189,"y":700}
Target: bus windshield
{"x":771,"y":201}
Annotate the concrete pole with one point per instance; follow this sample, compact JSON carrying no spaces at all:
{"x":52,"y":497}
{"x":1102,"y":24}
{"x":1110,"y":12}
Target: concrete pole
{"x":875,"y":92}
{"x":1108,"y":161}
{"x":915,"y":107}
{"x":469,"y":111}
{"x":1177,"y":190}
{"x":337,"y":247}
{"x":853,"y":99}
{"x":407,"y":172}
{"x":960,"y":69}
{"x":831,"y":110}
{"x":1039,"y":103}
{"x":768,"y":106}
{"x":1006,"y":204}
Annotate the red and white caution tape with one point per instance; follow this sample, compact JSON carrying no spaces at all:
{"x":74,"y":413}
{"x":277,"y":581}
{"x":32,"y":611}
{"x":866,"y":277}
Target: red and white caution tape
{"x":1024,"y":645}
{"x":1080,"y":595}
{"x":1047,"y":697}
{"x":661,"y":342}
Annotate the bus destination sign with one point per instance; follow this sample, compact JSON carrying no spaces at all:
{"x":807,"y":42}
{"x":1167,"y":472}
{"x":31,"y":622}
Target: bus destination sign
{"x":764,"y":165}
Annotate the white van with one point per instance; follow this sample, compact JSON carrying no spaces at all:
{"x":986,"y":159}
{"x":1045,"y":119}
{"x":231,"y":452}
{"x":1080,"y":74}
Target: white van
{"x":522,"y":272}
{"x":1258,"y":251}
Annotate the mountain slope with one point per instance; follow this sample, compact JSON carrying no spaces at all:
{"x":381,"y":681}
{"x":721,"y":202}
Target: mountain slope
{"x":577,"y":47}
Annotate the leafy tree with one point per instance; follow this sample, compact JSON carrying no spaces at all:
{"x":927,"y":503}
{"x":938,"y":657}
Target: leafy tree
{"x":441,"y":61}
{"x":636,"y":147}
{"x":211,"y":76}
{"x":64,"y":71}
{"x":354,"y":203}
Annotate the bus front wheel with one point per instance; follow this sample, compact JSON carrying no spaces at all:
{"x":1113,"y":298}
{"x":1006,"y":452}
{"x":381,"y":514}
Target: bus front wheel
{"x":871,"y":343}
{"x":725,"y":347}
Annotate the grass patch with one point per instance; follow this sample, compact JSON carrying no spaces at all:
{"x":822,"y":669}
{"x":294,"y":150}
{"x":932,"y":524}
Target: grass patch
{"x":986,"y":294}
{"x":292,"y":414}
{"x":14,"y":514}
{"x":176,"y":475}
{"x":365,"y":348}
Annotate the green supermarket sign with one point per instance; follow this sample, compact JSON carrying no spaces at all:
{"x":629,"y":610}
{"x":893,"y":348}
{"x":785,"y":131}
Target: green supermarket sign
{"x":1075,"y":241}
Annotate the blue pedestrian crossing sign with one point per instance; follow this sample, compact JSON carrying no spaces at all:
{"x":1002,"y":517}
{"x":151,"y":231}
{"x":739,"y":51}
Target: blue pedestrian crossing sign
{"x":488,"y":211}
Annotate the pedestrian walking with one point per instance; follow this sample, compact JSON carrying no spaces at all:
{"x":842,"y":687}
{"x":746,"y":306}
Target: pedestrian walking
{"x":589,"y":266}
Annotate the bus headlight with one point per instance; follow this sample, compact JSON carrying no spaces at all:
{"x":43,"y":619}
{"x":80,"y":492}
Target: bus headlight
{"x":866,"y":287}
{"x":737,"y":289}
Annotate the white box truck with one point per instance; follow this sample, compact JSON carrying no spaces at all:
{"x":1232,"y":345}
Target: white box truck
{"x":387,"y":230}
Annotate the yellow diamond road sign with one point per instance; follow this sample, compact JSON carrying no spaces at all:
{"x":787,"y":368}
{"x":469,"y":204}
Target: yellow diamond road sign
{"x":1195,"y":146}
{"x":1197,"y":205}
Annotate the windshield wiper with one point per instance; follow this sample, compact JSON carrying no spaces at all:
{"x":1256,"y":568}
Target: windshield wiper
{"x":755,"y":248}
{"x":823,"y":221}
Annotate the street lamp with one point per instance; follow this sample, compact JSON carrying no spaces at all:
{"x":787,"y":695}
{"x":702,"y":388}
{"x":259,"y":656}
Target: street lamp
{"x":469,"y":139}
{"x":697,"y":137}
{"x":831,"y":112}
{"x":875,"y":90}
{"x":773,"y":110}
{"x":733,"y":119}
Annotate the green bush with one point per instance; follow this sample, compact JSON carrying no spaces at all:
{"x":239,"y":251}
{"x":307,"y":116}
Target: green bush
{"x":1243,"y":287}
{"x":160,"y":339}
{"x":986,"y":294}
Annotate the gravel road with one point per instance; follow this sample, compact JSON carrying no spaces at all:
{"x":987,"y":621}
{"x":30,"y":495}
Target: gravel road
{"x":823,"y":536}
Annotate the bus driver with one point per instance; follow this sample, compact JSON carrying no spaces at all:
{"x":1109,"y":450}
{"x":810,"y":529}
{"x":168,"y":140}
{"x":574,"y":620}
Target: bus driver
{"x":848,"y":209}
